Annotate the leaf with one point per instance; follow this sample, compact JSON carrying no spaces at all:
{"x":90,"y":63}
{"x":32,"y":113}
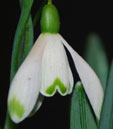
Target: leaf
{"x":81,"y":116}
{"x":106,"y":121}
{"x":19,"y":36}
{"x":27,"y":41}
{"x":95,"y":55}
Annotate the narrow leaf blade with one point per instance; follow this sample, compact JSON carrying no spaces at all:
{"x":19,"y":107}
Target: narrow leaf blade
{"x":95,"y":55}
{"x":81,"y":116}
{"x":106,"y":120}
{"x":19,"y":35}
{"x":27,"y":41}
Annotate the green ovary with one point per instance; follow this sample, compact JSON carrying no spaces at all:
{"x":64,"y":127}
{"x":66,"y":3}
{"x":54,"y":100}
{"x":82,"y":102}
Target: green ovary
{"x":15,"y":107}
{"x":57,"y":83}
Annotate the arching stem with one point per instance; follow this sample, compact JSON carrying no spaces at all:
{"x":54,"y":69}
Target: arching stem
{"x":49,"y":1}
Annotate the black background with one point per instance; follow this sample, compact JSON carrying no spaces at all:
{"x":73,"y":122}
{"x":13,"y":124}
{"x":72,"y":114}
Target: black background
{"x":78,"y":19}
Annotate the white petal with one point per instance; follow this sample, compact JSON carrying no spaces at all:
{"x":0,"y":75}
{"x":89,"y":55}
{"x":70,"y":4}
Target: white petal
{"x":55,"y":73}
{"x":37,"y":105}
{"x":39,"y":102}
{"x":71,"y":81}
{"x":25,"y":86}
{"x":89,"y":79}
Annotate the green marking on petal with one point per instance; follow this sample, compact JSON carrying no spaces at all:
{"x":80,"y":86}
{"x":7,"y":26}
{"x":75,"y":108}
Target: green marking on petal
{"x":57,"y":83}
{"x":15,"y":107}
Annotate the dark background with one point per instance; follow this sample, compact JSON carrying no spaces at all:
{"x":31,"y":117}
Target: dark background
{"x":78,"y":19}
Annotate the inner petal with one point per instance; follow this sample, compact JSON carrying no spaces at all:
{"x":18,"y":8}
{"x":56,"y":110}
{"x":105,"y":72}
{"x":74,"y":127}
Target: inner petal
{"x":55,"y":73}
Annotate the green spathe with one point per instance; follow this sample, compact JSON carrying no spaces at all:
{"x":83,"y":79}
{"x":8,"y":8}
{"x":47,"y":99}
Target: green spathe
{"x":15,"y":107}
{"x":57,"y":83}
{"x":50,"y":21}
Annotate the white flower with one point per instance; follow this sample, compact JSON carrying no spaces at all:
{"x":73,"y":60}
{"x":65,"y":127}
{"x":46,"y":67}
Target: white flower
{"x":46,"y":71}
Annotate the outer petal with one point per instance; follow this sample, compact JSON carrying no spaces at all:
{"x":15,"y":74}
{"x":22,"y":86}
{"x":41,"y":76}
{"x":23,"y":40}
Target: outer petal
{"x":37,"y":105}
{"x":55,"y":68}
{"x":25,"y":86}
{"x":89,"y":79}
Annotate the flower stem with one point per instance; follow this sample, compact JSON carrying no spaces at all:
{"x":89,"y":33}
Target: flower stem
{"x":9,"y":124}
{"x":38,"y":13}
{"x":50,"y":1}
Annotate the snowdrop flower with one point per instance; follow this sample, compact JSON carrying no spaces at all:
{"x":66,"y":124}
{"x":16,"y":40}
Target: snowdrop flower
{"x":46,"y":70}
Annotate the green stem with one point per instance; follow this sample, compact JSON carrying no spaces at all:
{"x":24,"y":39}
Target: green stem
{"x":38,"y":13}
{"x":50,"y":1}
{"x":9,"y":124}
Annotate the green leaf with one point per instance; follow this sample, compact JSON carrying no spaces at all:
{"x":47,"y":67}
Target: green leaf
{"x":95,"y":55}
{"x":81,"y":116}
{"x":15,"y":63}
{"x":27,"y":41}
{"x":106,"y":121}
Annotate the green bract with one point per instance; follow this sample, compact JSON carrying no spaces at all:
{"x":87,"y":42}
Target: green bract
{"x":50,"y":21}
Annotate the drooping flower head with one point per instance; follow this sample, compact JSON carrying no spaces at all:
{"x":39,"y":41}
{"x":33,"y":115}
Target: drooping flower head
{"x":46,"y":70}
